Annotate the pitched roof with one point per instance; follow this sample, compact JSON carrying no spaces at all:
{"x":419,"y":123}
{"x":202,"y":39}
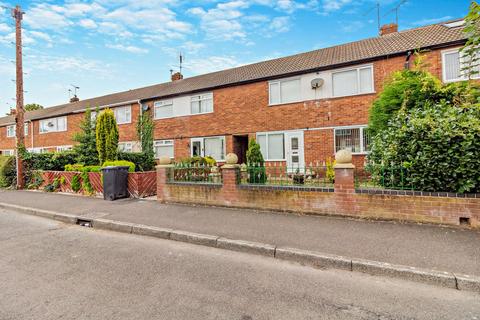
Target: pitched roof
{"x":368,"y":49}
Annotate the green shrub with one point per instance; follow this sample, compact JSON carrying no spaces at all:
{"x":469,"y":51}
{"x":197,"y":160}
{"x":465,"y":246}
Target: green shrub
{"x":74,"y":167}
{"x":8,"y":172}
{"x":142,"y":161}
{"x":130,"y":165}
{"x":107,"y":136}
{"x":406,"y":89}
{"x":35,"y":180}
{"x":199,"y":161}
{"x":92,"y":168}
{"x":76,"y":185}
{"x":145,"y":129}
{"x":437,"y":147}
{"x":256,"y":169}
{"x":86,"y":184}
{"x":54,"y":161}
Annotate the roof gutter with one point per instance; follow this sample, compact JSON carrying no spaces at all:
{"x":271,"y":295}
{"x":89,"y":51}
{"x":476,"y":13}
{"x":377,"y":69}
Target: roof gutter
{"x":107,"y":106}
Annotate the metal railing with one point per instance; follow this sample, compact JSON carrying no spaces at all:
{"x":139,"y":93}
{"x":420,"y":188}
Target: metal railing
{"x":392,"y":177}
{"x":195,"y":173}
{"x":282,"y":175}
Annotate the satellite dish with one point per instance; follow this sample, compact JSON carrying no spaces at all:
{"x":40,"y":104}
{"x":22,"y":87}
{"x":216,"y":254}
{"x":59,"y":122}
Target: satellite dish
{"x":317,"y":83}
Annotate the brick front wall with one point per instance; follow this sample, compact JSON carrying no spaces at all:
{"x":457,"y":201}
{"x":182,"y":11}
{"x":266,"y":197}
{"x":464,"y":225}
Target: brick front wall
{"x":244,"y":110}
{"x":343,"y":201}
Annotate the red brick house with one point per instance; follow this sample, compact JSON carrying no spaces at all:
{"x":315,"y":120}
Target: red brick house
{"x":300,"y":108}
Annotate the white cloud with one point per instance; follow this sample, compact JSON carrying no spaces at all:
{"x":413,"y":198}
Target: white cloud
{"x":424,"y":22}
{"x":210,"y":64}
{"x":280,"y":24}
{"x":352,"y":26}
{"x":334,"y":5}
{"x":131,"y":49}
{"x":46,"y":16}
{"x":88,"y":23}
{"x":67,"y":64}
{"x":5,"y":27}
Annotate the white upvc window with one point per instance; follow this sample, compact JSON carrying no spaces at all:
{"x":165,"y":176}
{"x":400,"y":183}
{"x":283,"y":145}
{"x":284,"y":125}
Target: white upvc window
{"x":53,"y":125}
{"x":354,"y":139}
{"x":272,"y":145}
{"x":11,"y":131}
{"x":163,"y":109}
{"x":353,"y":81}
{"x":202,"y":103}
{"x":38,"y":150}
{"x":9,"y":152}
{"x":452,"y":64}
{"x":125,"y":146}
{"x":64,"y":148}
{"x":284,"y":91}
{"x":123,"y":114}
{"x":164,"y":148}
{"x":208,"y":147}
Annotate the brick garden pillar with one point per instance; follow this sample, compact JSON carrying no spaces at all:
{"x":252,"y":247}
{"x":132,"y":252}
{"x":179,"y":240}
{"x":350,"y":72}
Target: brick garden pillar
{"x":230,"y":177}
{"x":344,"y":172}
{"x":164,"y":170}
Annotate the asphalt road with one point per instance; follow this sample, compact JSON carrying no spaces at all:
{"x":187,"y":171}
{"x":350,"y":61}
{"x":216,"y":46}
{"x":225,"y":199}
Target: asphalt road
{"x":49,"y":270}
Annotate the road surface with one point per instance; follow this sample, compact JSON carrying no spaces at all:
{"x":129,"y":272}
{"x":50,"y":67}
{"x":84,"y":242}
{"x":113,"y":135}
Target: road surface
{"x":50,"y":270}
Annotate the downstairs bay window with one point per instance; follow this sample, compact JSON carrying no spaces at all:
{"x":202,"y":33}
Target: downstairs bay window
{"x":272,"y":145}
{"x":354,"y":139}
{"x":208,"y":147}
{"x":163,"y":148}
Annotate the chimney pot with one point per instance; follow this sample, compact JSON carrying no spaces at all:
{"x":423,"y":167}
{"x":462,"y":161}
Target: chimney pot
{"x":388,"y":28}
{"x":74,"y":99}
{"x":177,"y":76}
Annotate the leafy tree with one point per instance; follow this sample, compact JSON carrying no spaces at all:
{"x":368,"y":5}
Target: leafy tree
{"x":86,"y":149}
{"x":145,"y":128}
{"x":107,"y":136}
{"x":32,"y":107}
{"x":406,"y":89}
{"x":471,"y":47}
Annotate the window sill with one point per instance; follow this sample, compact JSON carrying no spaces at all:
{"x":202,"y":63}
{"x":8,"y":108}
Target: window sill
{"x":353,"y":95}
{"x":285,"y":103}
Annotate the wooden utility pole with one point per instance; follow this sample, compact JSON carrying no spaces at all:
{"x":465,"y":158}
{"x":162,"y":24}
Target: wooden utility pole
{"x":17,"y":14}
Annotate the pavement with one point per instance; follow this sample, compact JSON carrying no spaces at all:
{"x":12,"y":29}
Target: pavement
{"x":432,"y":247}
{"x":52,"y":270}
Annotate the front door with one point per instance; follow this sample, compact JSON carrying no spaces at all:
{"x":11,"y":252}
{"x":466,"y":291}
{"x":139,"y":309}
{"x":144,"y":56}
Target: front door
{"x":294,"y":148}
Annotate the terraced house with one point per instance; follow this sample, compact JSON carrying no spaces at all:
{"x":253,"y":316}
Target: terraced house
{"x":300,"y":108}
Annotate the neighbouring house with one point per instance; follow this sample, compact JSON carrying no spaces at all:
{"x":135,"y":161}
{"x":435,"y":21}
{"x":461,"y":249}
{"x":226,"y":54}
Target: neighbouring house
{"x":301,"y":108}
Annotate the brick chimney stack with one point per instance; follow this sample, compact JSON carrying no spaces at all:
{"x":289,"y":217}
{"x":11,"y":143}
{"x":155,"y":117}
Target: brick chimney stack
{"x":177,"y":76}
{"x":388,"y":28}
{"x":13,"y":111}
{"x":74,"y":99}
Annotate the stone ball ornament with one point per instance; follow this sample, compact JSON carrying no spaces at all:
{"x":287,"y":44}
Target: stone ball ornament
{"x":343,"y":156}
{"x":164,"y":160}
{"x":231,"y":158}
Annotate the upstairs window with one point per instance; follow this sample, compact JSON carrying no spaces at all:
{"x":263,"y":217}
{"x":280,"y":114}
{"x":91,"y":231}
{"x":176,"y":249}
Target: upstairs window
{"x":452,"y":66}
{"x":53,"y":125}
{"x":352,"y":82}
{"x":123,"y":114}
{"x":284,"y":91}
{"x":11,"y":131}
{"x":163,"y":109}
{"x":201,"y":103}
{"x":356,"y":140}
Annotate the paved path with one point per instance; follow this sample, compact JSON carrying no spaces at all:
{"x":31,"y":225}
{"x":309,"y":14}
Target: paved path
{"x":49,"y":270}
{"x":424,"y":246}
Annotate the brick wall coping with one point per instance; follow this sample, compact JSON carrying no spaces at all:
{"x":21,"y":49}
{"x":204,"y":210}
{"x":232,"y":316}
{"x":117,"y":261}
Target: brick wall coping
{"x":199,"y":184}
{"x":274,"y":187}
{"x":417,"y":193}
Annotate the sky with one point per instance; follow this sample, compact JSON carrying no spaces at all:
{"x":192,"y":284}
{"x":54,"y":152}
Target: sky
{"x":107,"y":46}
